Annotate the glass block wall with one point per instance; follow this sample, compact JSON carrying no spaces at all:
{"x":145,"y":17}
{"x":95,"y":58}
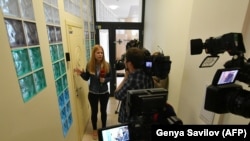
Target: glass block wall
{"x":73,"y":7}
{"x":89,"y":28}
{"x":58,"y":62}
{"x":25,"y":48}
{"x":87,"y":14}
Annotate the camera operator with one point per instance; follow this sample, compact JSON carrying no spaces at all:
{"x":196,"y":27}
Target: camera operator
{"x":135,"y":78}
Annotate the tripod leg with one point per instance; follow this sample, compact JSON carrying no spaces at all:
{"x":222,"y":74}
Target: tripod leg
{"x":117,"y":109}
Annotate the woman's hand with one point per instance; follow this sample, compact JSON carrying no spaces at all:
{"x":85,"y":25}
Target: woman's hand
{"x":126,"y":74}
{"x":102,"y":79}
{"x":78,"y":71}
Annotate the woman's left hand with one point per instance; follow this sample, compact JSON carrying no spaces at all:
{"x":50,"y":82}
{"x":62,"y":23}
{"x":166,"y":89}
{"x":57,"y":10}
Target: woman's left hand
{"x":102,"y":79}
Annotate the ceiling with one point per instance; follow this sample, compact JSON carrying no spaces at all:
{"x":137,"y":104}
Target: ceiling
{"x":125,"y":7}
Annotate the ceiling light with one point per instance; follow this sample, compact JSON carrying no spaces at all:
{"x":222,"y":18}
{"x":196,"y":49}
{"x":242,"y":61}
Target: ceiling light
{"x":113,"y":7}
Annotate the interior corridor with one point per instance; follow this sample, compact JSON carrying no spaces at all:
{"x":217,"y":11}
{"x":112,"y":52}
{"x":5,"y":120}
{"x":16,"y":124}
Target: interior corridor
{"x":112,"y":119}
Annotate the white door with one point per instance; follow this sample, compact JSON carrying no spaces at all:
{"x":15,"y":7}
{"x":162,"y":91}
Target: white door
{"x":80,"y":93}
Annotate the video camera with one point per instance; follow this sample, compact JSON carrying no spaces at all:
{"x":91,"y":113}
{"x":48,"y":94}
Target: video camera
{"x":147,"y":107}
{"x":223,"y":95}
{"x":230,"y":42}
{"x":155,"y":65}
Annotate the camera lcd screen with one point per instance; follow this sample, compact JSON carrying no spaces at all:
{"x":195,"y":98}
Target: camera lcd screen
{"x":115,"y":132}
{"x":148,"y":64}
{"x":225,"y":76}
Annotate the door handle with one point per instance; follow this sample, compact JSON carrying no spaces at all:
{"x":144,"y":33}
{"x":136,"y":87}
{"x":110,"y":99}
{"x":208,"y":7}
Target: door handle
{"x":77,"y":90}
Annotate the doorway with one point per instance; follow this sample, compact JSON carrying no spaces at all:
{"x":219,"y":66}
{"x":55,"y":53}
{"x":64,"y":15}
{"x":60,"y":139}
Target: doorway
{"x":114,"y":33}
{"x":114,"y":43}
{"x":121,"y":38}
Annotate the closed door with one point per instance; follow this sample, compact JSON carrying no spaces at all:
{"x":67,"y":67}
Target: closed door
{"x":79,"y":94}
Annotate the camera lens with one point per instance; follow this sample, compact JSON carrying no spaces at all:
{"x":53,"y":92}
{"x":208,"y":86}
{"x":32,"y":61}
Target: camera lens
{"x":239,"y":103}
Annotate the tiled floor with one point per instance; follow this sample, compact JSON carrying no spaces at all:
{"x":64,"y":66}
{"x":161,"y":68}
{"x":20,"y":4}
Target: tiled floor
{"x":111,"y":119}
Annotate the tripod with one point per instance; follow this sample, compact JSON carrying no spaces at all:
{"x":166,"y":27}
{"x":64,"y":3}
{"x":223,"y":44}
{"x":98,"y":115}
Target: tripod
{"x":118,"y":107}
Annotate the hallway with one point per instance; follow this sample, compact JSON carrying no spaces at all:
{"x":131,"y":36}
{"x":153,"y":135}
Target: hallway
{"x":112,"y":119}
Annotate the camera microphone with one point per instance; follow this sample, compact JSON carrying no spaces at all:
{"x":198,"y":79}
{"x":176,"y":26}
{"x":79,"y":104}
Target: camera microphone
{"x":160,"y":49}
{"x":196,"y":46}
{"x":102,"y":73}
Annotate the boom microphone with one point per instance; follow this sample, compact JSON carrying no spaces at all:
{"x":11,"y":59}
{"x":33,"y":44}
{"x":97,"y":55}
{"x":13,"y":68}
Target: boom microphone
{"x":161,"y":50}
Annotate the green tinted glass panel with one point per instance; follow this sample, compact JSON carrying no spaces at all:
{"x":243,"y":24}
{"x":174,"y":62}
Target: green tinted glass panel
{"x":39,"y":80}
{"x":65,"y":125}
{"x":63,"y":114}
{"x":70,"y":119}
{"x":54,"y":53}
{"x":61,"y":101}
{"x":35,"y":58}
{"x":60,"y":50}
{"x":21,"y":60}
{"x":63,"y":68}
{"x":92,"y":43}
{"x":56,"y":70}
{"x":59,"y":86}
{"x":68,"y":109}
{"x":66,"y":95}
{"x":65,"y":81}
{"x":27,"y":87}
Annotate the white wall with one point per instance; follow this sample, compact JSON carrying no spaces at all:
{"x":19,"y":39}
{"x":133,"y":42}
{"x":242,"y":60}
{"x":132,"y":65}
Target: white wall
{"x":171,"y":24}
{"x":207,"y":23}
{"x":167,"y":25}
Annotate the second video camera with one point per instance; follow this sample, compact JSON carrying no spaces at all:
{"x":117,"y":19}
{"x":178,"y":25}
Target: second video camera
{"x":224,"y":95}
{"x":155,"y":65}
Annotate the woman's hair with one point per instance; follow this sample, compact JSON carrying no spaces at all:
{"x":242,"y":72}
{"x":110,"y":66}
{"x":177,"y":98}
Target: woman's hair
{"x":92,"y":63}
{"x":133,"y":43}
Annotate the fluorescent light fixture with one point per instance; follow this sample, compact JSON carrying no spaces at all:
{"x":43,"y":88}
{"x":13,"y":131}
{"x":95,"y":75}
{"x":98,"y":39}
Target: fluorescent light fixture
{"x":113,"y":7}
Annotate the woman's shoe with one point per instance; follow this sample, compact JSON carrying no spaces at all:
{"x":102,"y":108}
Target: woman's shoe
{"x":95,"y":135}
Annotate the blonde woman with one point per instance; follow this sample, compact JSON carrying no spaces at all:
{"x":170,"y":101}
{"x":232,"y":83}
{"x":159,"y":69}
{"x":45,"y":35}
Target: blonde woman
{"x":98,"y":71}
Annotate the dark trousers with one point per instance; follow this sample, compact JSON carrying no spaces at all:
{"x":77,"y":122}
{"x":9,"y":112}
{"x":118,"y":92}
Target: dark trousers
{"x":94,"y":100}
